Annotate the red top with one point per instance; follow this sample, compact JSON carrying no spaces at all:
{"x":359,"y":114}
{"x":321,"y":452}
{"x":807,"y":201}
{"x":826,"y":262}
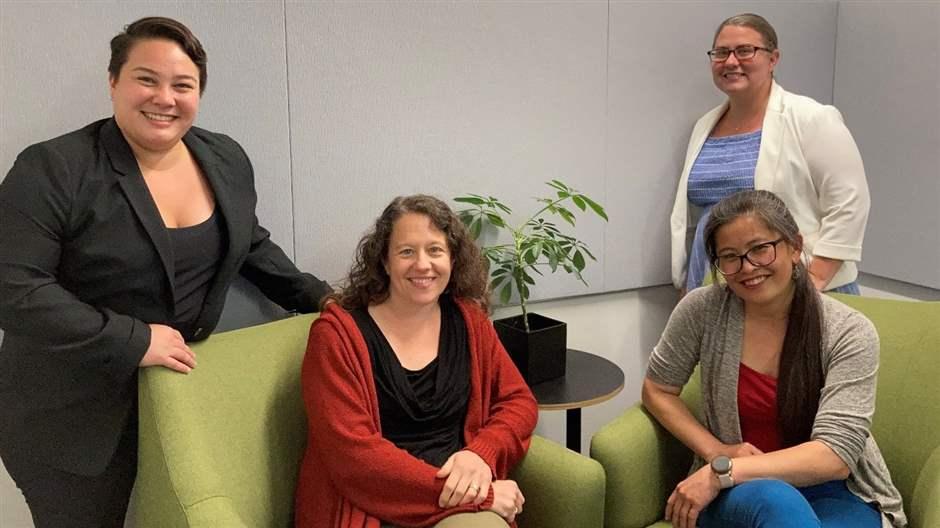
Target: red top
{"x":757,"y":409}
{"x":351,"y":476}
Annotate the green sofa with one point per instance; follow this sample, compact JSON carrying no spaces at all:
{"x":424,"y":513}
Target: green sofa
{"x":220,"y":447}
{"x":643,"y":462}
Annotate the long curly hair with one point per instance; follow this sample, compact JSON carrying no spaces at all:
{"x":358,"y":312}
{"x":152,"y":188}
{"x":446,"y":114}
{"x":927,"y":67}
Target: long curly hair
{"x":368,"y":282}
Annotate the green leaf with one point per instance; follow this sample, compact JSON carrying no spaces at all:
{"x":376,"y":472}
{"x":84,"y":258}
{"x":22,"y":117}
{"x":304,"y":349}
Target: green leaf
{"x":471,"y":199}
{"x":506,"y":293}
{"x":576,"y":198}
{"x":495,"y":219}
{"x":497,"y":281}
{"x":524,"y":294}
{"x":566,"y":215}
{"x":476,"y":227}
{"x":596,"y":207}
{"x":558,"y":184}
{"x":503,"y":208}
{"x":526,"y":278}
{"x":465,"y":219}
{"x":562,"y":195}
{"x":588,"y":251}
{"x":552,"y":261}
{"x":528,"y":257}
{"x":578,"y":260}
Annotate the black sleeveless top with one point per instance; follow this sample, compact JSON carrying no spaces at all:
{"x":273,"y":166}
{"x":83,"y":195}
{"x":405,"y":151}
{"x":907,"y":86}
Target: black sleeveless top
{"x":423,"y":411}
{"x":197,"y":252}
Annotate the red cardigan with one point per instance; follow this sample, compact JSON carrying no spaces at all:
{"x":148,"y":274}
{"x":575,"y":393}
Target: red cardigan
{"x":351,"y":476}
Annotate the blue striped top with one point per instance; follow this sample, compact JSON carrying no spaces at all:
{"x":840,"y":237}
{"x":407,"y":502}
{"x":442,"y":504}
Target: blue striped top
{"x":724,"y":166}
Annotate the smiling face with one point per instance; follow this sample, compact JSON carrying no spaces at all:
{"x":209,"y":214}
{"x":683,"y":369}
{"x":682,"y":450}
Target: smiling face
{"x":418,"y":262}
{"x":750,"y":76}
{"x":156,"y":95}
{"x":764,"y":285}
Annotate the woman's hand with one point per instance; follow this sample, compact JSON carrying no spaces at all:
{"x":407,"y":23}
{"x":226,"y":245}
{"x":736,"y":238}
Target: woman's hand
{"x":741,"y":450}
{"x":691,"y":496}
{"x":468,"y":479}
{"x":168,"y":349}
{"x":507,"y":499}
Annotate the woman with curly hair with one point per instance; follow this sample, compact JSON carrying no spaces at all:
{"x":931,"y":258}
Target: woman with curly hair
{"x":416,"y":413}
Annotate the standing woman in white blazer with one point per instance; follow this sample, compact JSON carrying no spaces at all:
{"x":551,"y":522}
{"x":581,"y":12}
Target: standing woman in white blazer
{"x":764,"y":137}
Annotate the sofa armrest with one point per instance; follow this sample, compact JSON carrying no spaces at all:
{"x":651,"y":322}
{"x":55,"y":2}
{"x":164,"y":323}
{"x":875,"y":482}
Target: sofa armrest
{"x":925,"y":505}
{"x":562,"y":488}
{"x":643,"y":463}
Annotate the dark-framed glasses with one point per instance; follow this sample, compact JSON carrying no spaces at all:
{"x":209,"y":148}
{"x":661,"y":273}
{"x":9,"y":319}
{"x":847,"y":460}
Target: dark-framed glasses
{"x":759,"y":256}
{"x":744,"y":52}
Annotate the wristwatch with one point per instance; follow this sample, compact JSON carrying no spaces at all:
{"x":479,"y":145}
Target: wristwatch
{"x":721,"y":466}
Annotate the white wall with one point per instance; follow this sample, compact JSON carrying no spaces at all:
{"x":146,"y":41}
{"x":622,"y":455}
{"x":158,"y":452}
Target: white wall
{"x":887,"y":84}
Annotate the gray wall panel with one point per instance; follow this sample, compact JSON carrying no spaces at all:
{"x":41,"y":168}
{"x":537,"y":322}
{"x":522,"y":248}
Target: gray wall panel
{"x":53,"y":82}
{"x":888,"y":87}
{"x":442,"y":98}
{"x":656,"y":95}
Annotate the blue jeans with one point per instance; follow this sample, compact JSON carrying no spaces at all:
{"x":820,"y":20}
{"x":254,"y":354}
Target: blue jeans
{"x":769,"y":503}
{"x":850,"y":288}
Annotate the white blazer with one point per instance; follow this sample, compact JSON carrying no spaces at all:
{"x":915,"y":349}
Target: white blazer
{"x":808,"y":158}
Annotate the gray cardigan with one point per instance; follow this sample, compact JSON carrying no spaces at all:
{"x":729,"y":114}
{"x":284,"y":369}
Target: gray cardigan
{"x":707,"y":328}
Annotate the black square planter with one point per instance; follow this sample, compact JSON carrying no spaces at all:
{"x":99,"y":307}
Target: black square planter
{"x":539,"y":354}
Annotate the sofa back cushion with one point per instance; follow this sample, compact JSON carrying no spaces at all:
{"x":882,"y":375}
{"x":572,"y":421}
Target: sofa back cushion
{"x":907,"y":407}
{"x":225,"y":441}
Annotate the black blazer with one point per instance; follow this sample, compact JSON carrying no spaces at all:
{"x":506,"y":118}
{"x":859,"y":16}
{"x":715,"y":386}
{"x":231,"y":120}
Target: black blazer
{"x":86,"y":264}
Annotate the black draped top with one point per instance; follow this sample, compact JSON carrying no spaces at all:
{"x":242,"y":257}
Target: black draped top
{"x":422,"y":411}
{"x":197,"y":252}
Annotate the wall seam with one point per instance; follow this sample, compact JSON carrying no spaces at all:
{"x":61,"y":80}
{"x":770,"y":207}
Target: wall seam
{"x":290,"y":139}
{"x":835,"y":55}
{"x":606,"y":146}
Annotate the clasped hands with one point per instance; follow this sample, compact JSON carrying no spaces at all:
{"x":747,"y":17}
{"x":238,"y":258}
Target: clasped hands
{"x":469,"y":479}
{"x":699,"y":489}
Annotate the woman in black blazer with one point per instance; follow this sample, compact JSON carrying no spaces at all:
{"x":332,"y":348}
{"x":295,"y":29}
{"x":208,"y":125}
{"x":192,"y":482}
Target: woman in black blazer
{"x":118,"y":243}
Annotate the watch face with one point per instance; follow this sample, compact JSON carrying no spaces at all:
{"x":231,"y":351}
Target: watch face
{"x":721,"y":464}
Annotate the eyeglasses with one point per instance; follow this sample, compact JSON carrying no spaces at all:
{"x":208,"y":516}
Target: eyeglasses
{"x":759,"y":256}
{"x":741,"y":52}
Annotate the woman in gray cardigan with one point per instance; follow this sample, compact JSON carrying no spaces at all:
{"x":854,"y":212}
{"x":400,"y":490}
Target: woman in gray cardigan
{"x":788,"y":386}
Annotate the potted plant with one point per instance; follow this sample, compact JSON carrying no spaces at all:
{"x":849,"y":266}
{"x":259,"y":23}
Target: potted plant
{"x":536,"y":343}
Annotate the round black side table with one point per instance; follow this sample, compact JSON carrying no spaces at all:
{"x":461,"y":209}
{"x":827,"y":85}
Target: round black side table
{"x":589,"y":379}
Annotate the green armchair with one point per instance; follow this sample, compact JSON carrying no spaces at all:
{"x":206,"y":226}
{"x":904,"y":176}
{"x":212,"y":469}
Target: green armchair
{"x":643,"y":462}
{"x":221,"y":447}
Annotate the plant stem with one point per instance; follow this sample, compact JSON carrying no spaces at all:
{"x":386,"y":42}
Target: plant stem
{"x":519,"y":272}
{"x":542,"y":210}
{"x":525,"y":317}
{"x":518,"y":236}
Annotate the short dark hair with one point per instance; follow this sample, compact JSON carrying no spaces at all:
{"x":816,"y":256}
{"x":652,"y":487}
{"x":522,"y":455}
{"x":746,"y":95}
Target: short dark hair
{"x":150,"y":28}
{"x":368,"y":282}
